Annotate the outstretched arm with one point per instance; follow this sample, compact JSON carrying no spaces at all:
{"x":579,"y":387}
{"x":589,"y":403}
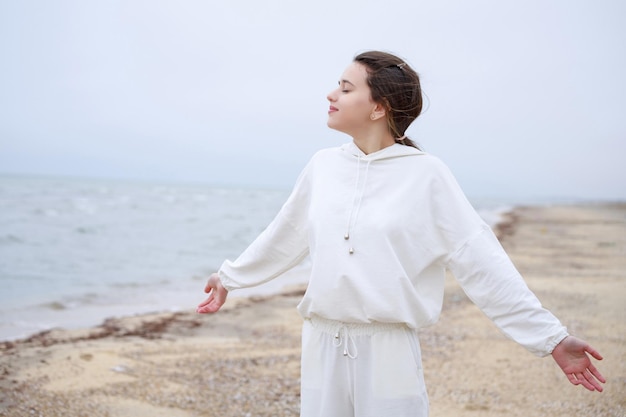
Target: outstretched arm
{"x":217,"y":295}
{"x":571,"y":356}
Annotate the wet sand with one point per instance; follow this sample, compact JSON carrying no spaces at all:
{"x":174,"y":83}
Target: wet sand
{"x":244,"y":361}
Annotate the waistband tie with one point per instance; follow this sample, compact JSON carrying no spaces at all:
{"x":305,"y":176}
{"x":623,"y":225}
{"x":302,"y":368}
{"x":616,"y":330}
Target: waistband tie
{"x":344,"y":338}
{"x":343,"y":333}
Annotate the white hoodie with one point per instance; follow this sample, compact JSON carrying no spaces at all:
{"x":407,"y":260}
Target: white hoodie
{"x":381,"y":229}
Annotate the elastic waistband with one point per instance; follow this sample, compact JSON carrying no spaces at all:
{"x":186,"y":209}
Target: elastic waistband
{"x":355,"y":329}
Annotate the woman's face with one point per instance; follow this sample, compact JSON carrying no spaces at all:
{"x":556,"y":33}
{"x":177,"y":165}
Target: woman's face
{"x":350,"y":103}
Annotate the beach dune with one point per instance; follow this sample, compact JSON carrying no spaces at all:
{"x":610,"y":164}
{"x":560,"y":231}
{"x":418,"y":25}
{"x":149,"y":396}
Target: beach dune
{"x":244,"y":361}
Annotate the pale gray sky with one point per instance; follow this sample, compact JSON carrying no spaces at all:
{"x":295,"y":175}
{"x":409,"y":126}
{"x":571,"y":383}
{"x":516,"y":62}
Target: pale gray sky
{"x":526,"y":98}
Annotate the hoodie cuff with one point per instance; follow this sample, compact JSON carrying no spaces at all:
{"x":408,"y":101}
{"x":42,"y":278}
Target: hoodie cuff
{"x":228,"y":283}
{"x":555,"y":340}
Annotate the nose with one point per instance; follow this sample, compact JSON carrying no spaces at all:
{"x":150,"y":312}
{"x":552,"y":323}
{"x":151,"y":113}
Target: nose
{"x":332,"y":96}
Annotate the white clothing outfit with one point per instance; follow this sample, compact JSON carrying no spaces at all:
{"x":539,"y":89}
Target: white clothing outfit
{"x":380,"y":230}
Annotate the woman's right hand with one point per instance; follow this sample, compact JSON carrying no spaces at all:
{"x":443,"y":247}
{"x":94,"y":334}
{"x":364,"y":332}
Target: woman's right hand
{"x":217,"y":295}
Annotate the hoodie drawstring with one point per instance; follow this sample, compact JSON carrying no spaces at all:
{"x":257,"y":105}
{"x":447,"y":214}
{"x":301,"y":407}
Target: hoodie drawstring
{"x":356,"y":201}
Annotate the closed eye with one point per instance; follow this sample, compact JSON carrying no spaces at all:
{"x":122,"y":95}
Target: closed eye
{"x":344,"y":84}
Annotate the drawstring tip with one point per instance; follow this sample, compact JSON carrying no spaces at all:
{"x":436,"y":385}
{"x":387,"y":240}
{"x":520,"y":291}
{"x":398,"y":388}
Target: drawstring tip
{"x":344,"y":339}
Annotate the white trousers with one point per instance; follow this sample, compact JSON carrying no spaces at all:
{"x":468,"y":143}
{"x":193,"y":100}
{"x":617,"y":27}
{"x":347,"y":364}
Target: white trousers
{"x":361,"y":370}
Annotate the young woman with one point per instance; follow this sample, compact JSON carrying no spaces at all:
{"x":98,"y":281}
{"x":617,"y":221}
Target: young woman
{"x":381,"y":221}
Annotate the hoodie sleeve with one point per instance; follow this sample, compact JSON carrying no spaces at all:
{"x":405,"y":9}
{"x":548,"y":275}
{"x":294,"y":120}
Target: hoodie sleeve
{"x":487,"y":275}
{"x":280,"y":247}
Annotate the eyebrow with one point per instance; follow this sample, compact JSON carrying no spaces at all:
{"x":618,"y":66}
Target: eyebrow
{"x":346,"y":82}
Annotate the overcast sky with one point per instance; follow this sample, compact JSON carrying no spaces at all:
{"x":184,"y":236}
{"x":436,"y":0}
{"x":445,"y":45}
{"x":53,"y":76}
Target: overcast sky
{"x":526,"y":98}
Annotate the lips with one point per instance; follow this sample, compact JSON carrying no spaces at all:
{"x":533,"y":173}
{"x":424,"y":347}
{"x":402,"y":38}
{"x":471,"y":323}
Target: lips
{"x":332,"y":109}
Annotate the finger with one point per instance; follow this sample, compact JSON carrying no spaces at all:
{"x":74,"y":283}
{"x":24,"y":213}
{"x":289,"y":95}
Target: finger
{"x":216,"y":303}
{"x":593,"y":353}
{"x":207,"y":308}
{"x":204,"y":310}
{"x":583,"y":381}
{"x":593,"y":381}
{"x":597,"y":374}
{"x":208,"y":287}
{"x":572,"y":378}
{"x":205,"y":302}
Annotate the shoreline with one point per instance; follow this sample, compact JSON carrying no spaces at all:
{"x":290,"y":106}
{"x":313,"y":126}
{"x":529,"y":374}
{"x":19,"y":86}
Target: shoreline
{"x":245,"y":359}
{"x":144,"y":291}
{"x":499,"y":218}
{"x":150,"y":324}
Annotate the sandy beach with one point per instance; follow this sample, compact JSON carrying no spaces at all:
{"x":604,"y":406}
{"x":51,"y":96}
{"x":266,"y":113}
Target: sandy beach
{"x":244,"y":361}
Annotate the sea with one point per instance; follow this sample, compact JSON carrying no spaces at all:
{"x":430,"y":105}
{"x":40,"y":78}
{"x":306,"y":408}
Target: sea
{"x":74,"y":252}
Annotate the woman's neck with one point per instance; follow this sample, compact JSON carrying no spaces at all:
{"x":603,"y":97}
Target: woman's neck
{"x":374,"y":143}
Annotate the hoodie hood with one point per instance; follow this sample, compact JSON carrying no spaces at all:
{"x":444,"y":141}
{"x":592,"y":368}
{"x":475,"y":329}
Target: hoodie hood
{"x":394,"y":151}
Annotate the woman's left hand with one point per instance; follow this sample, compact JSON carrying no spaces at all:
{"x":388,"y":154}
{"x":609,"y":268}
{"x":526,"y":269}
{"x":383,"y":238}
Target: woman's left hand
{"x":572,"y":356}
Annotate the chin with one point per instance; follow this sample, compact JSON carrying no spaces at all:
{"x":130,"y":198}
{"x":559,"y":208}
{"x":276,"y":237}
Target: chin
{"x":333,"y":126}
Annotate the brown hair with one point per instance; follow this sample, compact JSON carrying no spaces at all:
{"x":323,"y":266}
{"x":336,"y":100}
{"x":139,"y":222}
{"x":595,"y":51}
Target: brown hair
{"x":395,"y":85}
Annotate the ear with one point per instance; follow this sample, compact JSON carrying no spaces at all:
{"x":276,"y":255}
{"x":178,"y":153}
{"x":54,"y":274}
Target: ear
{"x":378,"y":111}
